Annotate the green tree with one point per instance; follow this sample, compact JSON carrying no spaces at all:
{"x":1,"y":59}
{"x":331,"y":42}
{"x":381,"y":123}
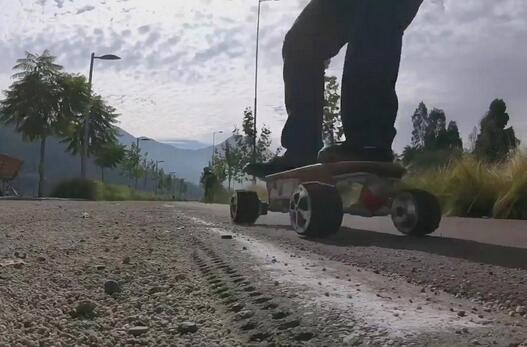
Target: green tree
{"x":231,"y":158}
{"x":102,"y":129}
{"x":495,"y":142}
{"x":433,"y":143}
{"x":263,"y":145}
{"x":454,"y":141}
{"x":332,"y":126}
{"x":41,"y":102}
{"x":245,"y":141}
{"x":435,"y":131}
{"x":109,"y":155}
{"x":420,"y":123}
{"x":130,"y":165}
{"x":209,"y":182}
{"x":229,"y":161}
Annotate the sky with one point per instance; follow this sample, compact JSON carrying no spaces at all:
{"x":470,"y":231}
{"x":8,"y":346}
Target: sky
{"x":187,"y":67}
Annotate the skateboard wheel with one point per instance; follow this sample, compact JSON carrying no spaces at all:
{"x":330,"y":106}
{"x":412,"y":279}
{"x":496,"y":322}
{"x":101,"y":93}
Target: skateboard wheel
{"x":416,"y":213}
{"x":315,"y":210}
{"x":245,"y":207}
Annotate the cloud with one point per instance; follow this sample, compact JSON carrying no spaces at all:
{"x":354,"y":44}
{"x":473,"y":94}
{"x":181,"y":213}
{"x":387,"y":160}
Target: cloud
{"x":86,"y":8}
{"x":143,"y":29}
{"x":188,"y":66}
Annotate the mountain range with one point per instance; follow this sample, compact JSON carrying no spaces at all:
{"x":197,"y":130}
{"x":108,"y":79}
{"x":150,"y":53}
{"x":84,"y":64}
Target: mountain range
{"x":60,"y":165}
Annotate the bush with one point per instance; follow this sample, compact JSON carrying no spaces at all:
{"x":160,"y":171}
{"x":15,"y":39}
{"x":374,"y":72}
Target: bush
{"x":98,"y":191}
{"x":471,"y":188}
{"x":76,"y":189}
{"x":512,"y":200}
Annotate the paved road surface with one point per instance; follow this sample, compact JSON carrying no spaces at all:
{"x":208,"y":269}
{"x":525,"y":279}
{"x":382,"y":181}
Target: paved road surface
{"x":490,"y":231}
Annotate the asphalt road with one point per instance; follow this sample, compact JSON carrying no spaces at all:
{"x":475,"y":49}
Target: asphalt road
{"x":510,"y":233}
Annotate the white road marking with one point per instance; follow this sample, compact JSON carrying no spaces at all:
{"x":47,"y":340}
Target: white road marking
{"x":395,"y":315}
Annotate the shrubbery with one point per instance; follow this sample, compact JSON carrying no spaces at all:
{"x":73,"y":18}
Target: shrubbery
{"x":98,"y":191}
{"x":471,"y":188}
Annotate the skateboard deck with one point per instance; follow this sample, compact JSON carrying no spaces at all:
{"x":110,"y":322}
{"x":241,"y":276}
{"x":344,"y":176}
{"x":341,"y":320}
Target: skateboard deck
{"x":343,"y":175}
{"x":330,"y":172}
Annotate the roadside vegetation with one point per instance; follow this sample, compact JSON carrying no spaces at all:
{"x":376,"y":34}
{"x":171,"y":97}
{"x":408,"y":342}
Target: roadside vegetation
{"x":44,"y":101}
{"x":486,"y":178}
{"x":468,"y":187}
{"x":99,"y":191}
{"x":226,"y":167}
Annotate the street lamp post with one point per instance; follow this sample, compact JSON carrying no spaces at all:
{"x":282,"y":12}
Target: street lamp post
{"x":174,"y":181}
{"x":256,"y":75}
{"x":137,"y":140}
{"x":84,"y":153}
{"x":157,"y":171}
{"x":214,"y":144}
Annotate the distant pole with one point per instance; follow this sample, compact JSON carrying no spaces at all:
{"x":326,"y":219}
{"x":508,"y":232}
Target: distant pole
{"x":85,"y":137}
{"x":137,"y":140}
{"x":256,"y":79}
{"x":157,"y":174}
{"x":256,"y":76}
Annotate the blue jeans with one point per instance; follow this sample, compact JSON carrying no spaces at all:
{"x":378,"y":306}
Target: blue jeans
{"x":373,"y":30}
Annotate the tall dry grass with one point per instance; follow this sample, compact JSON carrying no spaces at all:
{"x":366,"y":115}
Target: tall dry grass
{"x":470,"y":188}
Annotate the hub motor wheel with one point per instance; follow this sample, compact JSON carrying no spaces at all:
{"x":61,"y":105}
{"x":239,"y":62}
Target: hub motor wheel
{"x":315,"y":210}
{"x":245,"y":207}
{"x":416,"y":213}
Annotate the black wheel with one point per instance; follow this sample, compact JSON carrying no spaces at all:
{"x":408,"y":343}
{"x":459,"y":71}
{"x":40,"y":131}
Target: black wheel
{"x":416,"y":213}
{"x":315,"y":210}
{"x":245,"y":207}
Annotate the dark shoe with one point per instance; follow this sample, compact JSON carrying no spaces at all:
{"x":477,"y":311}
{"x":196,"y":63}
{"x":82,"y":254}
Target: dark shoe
{"x":344,"y":151}
{"x":276,"y":165}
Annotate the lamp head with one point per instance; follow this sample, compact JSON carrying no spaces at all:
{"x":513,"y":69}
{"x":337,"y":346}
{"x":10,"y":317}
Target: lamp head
{"x":108,"y":57}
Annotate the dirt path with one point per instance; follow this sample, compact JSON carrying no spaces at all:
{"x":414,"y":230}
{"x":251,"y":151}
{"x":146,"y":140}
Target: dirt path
{"x":182,"y":275}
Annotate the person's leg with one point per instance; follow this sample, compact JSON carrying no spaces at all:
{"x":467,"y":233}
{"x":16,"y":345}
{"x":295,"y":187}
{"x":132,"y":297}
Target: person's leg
{"x":318,"y":34}
{"x":369,"y":100}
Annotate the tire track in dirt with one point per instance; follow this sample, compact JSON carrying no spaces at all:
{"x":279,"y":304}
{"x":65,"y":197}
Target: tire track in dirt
{"x":259,"y":317}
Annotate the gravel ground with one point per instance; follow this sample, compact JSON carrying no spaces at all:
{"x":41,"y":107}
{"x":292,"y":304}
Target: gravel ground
{"x":65,"y":254}
{"x":157,"y":274}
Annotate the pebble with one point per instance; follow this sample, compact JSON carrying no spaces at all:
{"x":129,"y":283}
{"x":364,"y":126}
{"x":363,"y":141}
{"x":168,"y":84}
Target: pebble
{"x":521,"y":310}
{"x":19,"y":265}
{"x":187,"y":327}
{"x":226,"y":237}
{"x":111,"y":287}
{"x":156,"y":289}
{"x":461,"y":314}
{"x":85,"y":308}
{"x":136,"y":331}
{"x":20,"y":255}
{"x":244,"y":315}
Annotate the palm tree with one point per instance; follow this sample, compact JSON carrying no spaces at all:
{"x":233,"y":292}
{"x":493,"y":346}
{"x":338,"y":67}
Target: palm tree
{"x":36,"y":103}
{"x":102,"y":129}
{"x":109,"y":155}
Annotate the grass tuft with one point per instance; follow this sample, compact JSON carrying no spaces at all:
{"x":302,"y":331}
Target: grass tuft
{"x":470,"y":188}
